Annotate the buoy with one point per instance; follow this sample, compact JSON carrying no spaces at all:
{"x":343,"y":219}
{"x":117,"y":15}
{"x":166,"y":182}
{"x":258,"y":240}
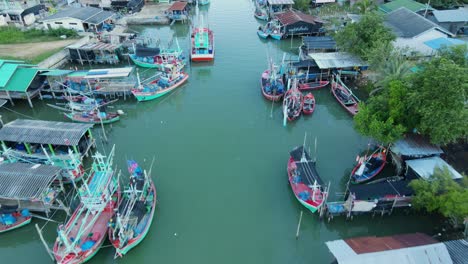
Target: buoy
{"x":120,"y":112}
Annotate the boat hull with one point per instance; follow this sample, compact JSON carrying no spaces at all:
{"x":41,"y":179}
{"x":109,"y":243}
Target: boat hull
{"x":262,"y":34}
{"x":271,"y":97}
{"x":134,"y":242}
{"x":142,"y":97}
{"x":204,"y":57}
{"x":17,"y":225}
{"x":276,"y":36}
{"x":296,"y":189}
{"x":146,"y":65}
{"x":309,"y":108}
{"x":261,"y":17}
{"x":355,"y":179}
{"x":92,"y":121}
{"x":312,"y":86}
{"x":296,"y":97}
{"x":352,"y":109}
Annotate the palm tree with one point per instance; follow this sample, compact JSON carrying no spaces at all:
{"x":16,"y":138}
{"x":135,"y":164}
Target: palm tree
{"x":365,"y":6}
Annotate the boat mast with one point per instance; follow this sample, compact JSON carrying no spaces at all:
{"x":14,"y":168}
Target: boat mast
{"x":303,"y":158}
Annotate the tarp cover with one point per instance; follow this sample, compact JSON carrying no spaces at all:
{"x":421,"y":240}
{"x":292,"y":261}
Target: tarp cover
{"x":142,"y":51}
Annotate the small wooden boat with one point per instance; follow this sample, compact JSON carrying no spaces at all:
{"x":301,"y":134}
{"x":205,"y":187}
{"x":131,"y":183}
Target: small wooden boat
{"x":369,"y":167}
{"x":133,"y":220}
{"x":203,"y":46}
{"x":161,"y":86}
{"x":272,"y":85}
{"x":309,"y":104}
{"x":261,"y":10}
{"x":293,"y":103}
{"x":93,"y":117}
{"x":345,"y":98}
{"x":84,"y":233}
{"x":304,"y":179}
{"x":11,"y":218}
{"x":271,"y":29}
{"x":313,"y":85}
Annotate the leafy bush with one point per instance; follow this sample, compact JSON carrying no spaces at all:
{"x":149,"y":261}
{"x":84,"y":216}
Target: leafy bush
{"x":10,"y":35}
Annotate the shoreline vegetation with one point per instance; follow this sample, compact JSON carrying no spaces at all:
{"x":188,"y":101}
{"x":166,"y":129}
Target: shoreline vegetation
{"x":13,"y":35}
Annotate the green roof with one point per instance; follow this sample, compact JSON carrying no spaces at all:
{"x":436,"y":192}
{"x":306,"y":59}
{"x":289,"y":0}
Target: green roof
{"x":21,"y":80}
{"x":6,"y":72}
{"x":10,"y":61}
{"x":56,"y":72}
{"x":410,"y":4}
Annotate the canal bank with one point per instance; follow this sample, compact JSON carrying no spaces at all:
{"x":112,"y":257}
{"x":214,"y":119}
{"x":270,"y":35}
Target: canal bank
{"x":221,"y":153}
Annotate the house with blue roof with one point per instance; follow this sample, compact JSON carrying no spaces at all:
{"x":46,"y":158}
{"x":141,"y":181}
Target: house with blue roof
{"x":453,"y":20}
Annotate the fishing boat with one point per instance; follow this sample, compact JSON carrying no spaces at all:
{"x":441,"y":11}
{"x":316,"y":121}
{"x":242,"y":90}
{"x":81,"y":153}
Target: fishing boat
{"x":157,"y":58}
{"x":271,"y":29}
{"x":312,"y":85}
{"x":133,"y":220}
{"x":345,"y":98}
{"x":304,"y":179}
{"x":309,"y":104}
{"x":260,"y":10}
{"x":271,"y":84}
{"x":202,"y":44}
{"x":93,"y":117}
{"x":369,"y":167}
{"x":11,"y":218}
{"x":165,"y":83}
{"x":81,"y":237}
{"x":293,"y":103}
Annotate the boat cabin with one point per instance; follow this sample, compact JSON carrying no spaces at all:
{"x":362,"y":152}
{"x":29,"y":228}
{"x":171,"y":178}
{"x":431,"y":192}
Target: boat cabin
{"x":178,"y":11}
{"x":46,"y":140}
{"x":278,"y":6}
{"x":295,"y":23}
{"x":29,"y":186}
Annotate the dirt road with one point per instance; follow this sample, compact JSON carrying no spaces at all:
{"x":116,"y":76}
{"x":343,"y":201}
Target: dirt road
{"x":30,"y":50}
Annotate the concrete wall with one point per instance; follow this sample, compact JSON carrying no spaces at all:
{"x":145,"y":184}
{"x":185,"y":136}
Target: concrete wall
{"x":3,"y":21}
{"x":69,"y":23}
{"x":29,"y":19}
{"x":417,"y":43}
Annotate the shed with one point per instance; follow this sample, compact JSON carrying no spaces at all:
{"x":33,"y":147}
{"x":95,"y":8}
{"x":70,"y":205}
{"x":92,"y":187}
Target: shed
{"x":20,"y":81}
{"x":28,"y":185}
{"x":316,"y":44}
{"x":337,"y":60}
{"x":79,"y":19}
{"x":411,"y":5}
{"x":402,"y":249}
{"x":415,"y":146}
{"x":97,"y":52}
{"x":381,"y":190}
{"x":452,"y":20}
{"x":178,"y":11}
{"x":412,"y":30}
{"x":297,"y":23}
{"x":278,"y":6}
{"x":425,"y":167}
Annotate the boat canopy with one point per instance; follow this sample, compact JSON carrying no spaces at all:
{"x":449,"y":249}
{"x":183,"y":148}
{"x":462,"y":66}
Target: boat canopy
{"x":26,"y":181}
{"x":202,"y":40}
{"x":142,"y":51}
{"x":44,"y":132}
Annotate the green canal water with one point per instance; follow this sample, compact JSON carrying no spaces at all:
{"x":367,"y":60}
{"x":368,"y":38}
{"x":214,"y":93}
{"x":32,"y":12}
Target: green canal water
{"x":221,"y":154}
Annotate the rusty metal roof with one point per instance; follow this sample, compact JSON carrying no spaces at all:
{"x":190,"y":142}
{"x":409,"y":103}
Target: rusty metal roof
{"x":44,"y":132}
{"x":281,"y":2}
{"x":177,"y":6}
{"x":362,"y":245}
{"x":291,"y":17}
{"x":25,"y":180}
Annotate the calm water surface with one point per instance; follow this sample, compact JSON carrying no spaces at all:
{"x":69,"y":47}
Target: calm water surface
{"x":221,"y":154}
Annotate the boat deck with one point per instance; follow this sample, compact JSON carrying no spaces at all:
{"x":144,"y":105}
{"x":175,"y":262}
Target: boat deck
{"x":306,"y":168}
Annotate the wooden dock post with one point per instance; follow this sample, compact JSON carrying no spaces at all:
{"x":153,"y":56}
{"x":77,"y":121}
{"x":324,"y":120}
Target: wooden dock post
{"x":299,"y":226}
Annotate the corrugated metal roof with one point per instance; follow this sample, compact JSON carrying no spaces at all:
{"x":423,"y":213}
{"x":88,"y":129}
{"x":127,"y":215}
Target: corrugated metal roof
{"x":415,"y":146}
{"x":56,"y":73}
{"x":281,"y":2}
{"x":407,"y":24}
{"x":21,"y":80}
{"x":425,"y":167}
{"x":25,"y":180}
{"x":326,"y":42}
{"x":331,"y":60}
{"x":380,"y":190}
{"x":427,"y":254}
{"x":458,"y":250}
{"x":410,"y":4}
{"x":6,"y":72}
{"x":370,"y":244}
{"x":87,"y":14}
{"x":44,"y":132}
{"x":177,"y":6}
{"x":454,"y":15}
{"x":444,"y":42}
{"x":290,"y":17}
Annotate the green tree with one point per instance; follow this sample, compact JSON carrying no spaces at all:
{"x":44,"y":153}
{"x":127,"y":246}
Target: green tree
{"x":384,"y":115}
{"x":363,"y":37}
{"x":441,"y":194}
{"x":365,"y":6}
{"x":302,"y":5}
{"x":438,"y":100}
{"x":457,"y":54}
{"x":442,"y":4}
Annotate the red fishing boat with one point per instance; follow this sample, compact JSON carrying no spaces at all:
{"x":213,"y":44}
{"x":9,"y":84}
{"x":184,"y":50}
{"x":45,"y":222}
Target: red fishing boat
{"x":345,"y":98}
{"x":293,"y":103}
{"x":309,"y":104}
{"x":313,"y":85}
{"x":369,"y":167}
{"x":11,"y":218}
{"x":272,"y":85}
{"x":304,"y":179}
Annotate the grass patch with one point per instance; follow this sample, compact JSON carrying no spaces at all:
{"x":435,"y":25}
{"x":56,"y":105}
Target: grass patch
{"x":34,"y":60}
{"x":13,"y":35}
